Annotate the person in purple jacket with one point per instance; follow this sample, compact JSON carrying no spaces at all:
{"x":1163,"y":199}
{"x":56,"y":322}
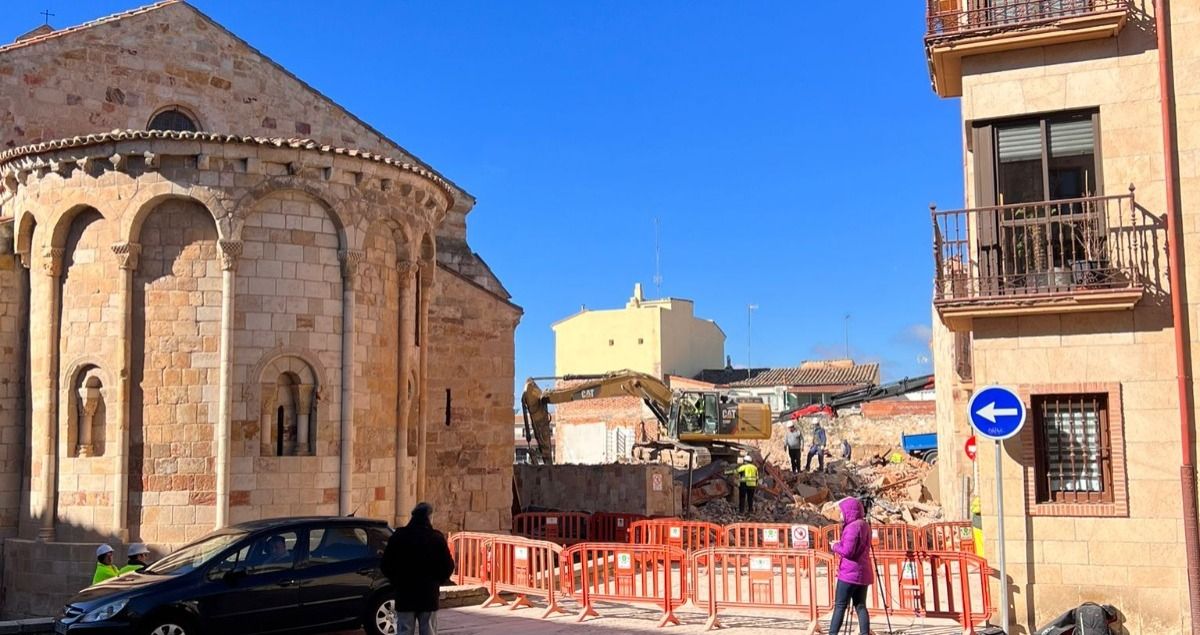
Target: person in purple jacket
{"x":854,"y":570}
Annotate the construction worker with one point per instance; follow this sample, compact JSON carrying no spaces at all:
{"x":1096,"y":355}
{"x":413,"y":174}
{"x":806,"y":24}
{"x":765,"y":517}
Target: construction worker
{"x":105,"y":569}
{"x":137,"y":558}
{"x":795,"y":445}
{"x":977,"y":525}
{"x":846,"y":452}
{"x":747,"y":474}
{"x":817,"y":449}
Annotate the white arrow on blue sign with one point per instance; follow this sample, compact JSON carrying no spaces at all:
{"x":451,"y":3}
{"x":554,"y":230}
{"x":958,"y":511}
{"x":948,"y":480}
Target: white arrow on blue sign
{"x":996,"y":412}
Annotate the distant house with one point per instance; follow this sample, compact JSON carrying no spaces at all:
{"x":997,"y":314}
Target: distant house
{"x":794,"y":387}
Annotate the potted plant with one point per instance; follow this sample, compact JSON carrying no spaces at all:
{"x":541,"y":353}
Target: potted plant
{"x":1092,"y":268}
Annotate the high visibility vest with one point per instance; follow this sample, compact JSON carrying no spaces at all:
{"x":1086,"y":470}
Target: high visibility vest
{"x":132,"y":568}
{"x":104,"y":572}
{"x":749,"y":474}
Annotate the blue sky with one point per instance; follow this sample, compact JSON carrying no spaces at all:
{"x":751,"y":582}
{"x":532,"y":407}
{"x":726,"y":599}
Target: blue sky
{"x":789,"y":153}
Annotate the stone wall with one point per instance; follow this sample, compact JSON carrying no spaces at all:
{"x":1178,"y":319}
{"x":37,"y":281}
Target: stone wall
{"x":13,"y":384}
{"x":471,"y":366}
{"x":39,"y":577}
{"x":584,"y":430}
{"x":634,"y":489}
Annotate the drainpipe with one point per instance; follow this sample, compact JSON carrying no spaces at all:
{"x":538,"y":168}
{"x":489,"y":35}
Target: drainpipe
{"x":1187,"y":470}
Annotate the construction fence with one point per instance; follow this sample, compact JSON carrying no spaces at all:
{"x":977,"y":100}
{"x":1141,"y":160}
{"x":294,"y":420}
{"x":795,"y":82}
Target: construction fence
{"x":668,"y":563}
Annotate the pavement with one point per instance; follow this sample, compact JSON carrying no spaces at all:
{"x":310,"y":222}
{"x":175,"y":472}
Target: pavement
{"x":627,"y":619}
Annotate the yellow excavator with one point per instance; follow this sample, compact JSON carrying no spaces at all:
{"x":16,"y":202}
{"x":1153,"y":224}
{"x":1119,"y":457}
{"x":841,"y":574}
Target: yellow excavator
{"x":688,"y":419}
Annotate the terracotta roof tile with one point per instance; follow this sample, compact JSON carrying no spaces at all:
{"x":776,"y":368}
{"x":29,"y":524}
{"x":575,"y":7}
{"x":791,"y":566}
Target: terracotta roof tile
{"x":299,"y":144}
{"x":808,"y":375}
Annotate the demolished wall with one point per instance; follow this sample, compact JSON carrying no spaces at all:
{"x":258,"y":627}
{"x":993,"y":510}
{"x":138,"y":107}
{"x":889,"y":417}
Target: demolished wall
{"x":635,"y":489}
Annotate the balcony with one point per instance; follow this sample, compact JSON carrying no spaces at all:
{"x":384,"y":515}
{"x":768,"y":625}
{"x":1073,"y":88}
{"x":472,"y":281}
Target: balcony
{"x":960,"y":28}
{"x":1099,"y":253}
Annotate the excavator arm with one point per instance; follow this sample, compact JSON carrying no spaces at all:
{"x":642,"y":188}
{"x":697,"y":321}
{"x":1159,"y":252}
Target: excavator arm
{"x":626,"y":383}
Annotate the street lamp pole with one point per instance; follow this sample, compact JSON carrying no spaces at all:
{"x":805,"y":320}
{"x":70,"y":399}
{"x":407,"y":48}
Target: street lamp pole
{"x":749,"y":324}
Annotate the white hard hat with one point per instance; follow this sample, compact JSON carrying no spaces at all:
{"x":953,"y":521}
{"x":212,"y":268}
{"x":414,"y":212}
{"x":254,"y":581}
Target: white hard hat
{"x":138,"y":549}
{"x":103,"y":550}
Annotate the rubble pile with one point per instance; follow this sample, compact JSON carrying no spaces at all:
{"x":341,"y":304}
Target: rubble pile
{"x":894,"y":482}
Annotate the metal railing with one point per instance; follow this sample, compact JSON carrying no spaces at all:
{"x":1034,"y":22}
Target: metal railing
{"x":951,"y":18}
{"x":1046,"y":248}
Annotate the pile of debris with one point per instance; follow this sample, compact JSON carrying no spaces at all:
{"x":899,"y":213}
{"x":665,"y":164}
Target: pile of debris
{"x":895,"y":483}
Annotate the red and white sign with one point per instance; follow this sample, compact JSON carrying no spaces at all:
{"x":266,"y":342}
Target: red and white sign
{"x":970,"y":448}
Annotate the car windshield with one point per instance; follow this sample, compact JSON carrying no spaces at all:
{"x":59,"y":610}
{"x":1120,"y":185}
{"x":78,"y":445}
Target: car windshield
{"x":194,"y":555}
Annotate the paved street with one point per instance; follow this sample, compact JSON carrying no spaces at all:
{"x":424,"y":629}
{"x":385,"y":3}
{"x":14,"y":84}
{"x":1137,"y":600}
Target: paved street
{"x":625,"y":619}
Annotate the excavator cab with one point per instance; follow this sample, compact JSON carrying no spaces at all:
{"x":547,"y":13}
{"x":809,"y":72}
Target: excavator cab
{"x":700,"y":416}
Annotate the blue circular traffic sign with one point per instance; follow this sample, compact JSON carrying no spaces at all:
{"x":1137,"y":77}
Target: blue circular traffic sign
{"x":996,"y":412}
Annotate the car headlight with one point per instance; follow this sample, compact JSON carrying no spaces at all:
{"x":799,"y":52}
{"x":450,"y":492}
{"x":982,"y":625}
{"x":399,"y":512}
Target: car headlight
{"x":105,"y":612}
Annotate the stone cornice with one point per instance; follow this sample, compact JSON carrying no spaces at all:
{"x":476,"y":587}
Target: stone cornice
{"x":35,"y":162}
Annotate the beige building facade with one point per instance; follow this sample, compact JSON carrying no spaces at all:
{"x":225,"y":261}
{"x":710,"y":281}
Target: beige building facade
{"x":240,"y":303}
{"x":1054,"y":280}
{"x":658,"y":337}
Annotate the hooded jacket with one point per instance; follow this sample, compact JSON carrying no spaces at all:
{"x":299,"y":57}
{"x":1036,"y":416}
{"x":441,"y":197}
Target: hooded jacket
{"x":855,"y":544}
{"x":417,"y":561}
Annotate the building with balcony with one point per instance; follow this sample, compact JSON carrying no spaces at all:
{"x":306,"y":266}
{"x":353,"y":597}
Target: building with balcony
{"x":1053,"y":278}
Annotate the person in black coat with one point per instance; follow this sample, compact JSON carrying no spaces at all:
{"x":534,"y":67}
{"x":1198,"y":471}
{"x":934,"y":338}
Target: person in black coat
{"x":417,"y":561}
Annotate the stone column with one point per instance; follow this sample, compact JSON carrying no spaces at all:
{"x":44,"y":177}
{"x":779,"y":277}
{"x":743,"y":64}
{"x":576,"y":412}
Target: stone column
{"x":304,"y":399}
{"x":52,"y":262}
{"x":89,"y":403}
{"x":404,"y":354}
{"x":351,"y":258}
{"x":127,"y":258}
{"x":426,"y":278}
{"x":231,"y":251}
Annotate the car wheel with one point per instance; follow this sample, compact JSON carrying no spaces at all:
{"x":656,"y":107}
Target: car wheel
{"x":931,"y":457}
{"x":381,"y":616}
{"x":170,"y":625}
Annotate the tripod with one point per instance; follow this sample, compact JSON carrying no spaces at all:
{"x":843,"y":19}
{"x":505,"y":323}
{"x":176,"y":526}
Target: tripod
{"x":883,"y":592}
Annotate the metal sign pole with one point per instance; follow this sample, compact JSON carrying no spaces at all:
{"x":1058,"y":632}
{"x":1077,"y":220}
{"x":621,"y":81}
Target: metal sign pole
{"x":1000,"y":542}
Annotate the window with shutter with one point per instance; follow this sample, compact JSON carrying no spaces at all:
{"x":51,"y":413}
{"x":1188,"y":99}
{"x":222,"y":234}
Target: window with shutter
{"x":1074,"y":454}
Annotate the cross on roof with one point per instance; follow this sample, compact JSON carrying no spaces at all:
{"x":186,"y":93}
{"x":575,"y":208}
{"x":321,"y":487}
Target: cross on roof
{"x":46,"y":14}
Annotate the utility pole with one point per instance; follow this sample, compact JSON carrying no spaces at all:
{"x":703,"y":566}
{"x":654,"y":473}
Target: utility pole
{"x":749,"y":323}
{"x":657,"y":262}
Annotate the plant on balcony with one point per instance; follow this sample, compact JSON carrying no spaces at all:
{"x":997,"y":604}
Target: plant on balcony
{"x":1093,"y":269}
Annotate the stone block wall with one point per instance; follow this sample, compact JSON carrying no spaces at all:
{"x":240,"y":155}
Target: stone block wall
{"x":39,"y":577}
{"x":633,"y":489}
{"x":13,"y":383}
{"x":175,"y":340}
{"x":470,"y":460}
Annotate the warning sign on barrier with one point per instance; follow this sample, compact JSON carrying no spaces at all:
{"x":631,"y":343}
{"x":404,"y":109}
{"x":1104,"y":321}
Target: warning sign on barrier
{"x":624,"y":561}
{"x":551,"y":521}
{"x":770,"y":536}
{"x":760,"y":564}
{"x":909,"y":572}
{"x":800,"y":537}
{"x":521,"y":553}
{"x":676,"y":533}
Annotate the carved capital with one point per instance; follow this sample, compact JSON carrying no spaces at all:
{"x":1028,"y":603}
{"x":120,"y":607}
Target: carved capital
{"x":407,"y":270}
{"x":127,"y":255}
{"x":304,"y":398}
{"x":231,"y":252}
{"x":52,"y":261}
{"x":351,"y":259}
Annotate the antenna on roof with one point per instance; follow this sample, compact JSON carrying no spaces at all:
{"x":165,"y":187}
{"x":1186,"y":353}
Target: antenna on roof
{"x":46,"y":14}
{"x":657,"y":262}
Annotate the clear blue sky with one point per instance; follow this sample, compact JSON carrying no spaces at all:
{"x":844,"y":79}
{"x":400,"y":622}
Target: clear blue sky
{"x":790,"y":151}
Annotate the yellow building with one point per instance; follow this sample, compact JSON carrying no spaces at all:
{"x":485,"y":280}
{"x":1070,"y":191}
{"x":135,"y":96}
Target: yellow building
{"x":658,"y":337}
{"x":1059,"y":278}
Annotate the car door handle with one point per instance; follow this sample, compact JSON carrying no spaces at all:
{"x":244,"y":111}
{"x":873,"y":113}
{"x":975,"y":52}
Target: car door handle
{"x":367,"y":570}
{"x":286,"y":583}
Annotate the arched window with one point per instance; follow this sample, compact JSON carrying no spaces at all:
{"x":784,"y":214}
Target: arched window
{"x":172,"y":119}
{"x":89,"y":428}
{"x":289,"y":408}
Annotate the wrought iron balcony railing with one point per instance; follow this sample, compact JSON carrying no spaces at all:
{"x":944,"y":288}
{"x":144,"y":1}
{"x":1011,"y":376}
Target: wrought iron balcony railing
{"x":953,"y":18}
{"x":1054,"y":248}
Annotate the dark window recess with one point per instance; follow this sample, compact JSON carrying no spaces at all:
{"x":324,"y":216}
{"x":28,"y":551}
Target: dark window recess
{"x":1074,"y":449}
{"x":280,"y":430}
{"x":447,"y":407}
{"x":962,"y":356}
{"x":172,"y":120}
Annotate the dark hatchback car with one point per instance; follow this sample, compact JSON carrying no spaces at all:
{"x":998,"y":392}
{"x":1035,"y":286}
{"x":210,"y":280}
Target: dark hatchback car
{"x":292,"y":575}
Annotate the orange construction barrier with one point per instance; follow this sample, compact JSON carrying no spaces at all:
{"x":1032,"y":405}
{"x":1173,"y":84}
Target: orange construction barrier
{"x":773,"y":536}
{"x":525,"y":567}
{"x":472,"y":555}
{"x":686,"y":535}
{"x":611,"y":526}
{"x":564,"y":528}
{"x":940,"y":585}
{"x":896,"y":537}
{"x":782,"y":579}
{"x":949,"y":536}
{"x":631,"y":574}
